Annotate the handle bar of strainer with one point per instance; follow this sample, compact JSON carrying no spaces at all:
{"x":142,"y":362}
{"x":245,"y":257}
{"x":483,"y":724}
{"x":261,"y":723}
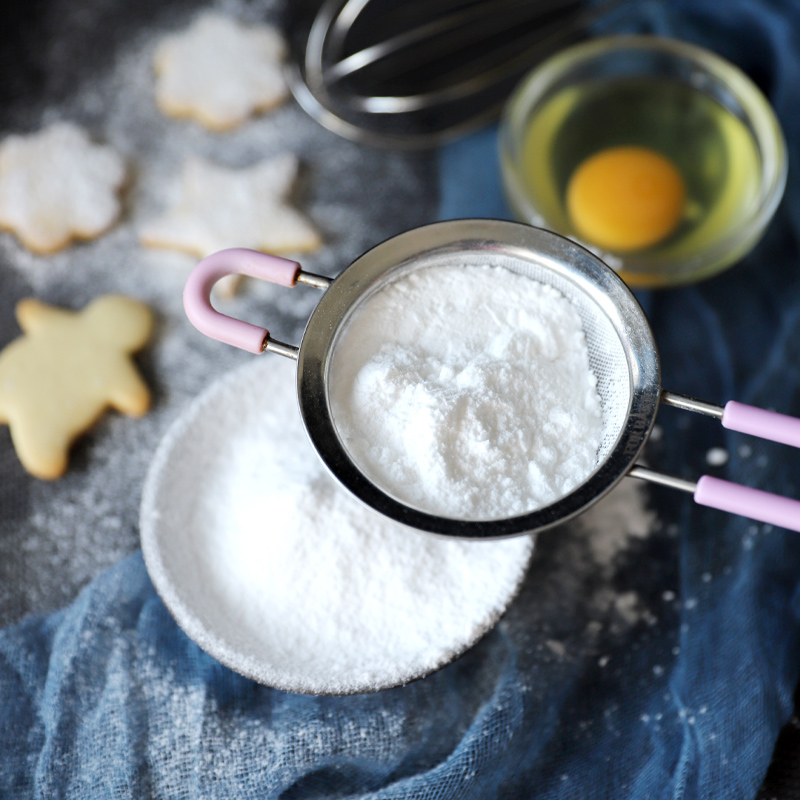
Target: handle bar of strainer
{"x":708,"y":491}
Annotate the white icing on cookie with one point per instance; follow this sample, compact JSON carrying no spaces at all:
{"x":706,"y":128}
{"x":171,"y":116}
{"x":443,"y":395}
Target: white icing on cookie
{"x":219,"y":207}
{"x":57,"y":185}
{"x":220,"y":71}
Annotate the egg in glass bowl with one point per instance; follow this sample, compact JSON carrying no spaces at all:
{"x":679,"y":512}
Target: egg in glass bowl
{"x":660,"y":156}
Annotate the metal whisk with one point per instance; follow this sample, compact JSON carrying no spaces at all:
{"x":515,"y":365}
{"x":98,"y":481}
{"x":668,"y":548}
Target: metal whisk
{"x":411,"y":73}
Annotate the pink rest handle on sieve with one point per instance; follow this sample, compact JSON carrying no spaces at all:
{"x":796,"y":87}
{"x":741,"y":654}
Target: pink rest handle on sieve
{"x":752,"y":503}
{"x":237,"y":260}
{"x":764,"y":424}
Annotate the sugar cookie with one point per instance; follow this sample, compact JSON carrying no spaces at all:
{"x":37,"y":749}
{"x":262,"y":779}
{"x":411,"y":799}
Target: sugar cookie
{"x":220,"y":71}
{"x":220,"y":207}
{"x":68,"y":367}
{"x":57,"y":185}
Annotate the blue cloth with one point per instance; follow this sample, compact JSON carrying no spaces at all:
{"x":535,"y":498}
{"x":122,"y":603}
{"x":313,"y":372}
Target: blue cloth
{"x":568,"y":696}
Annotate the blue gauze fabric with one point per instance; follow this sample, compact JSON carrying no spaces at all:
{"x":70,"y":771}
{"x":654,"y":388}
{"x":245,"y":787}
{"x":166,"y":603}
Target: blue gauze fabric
{"x":571,"y":695}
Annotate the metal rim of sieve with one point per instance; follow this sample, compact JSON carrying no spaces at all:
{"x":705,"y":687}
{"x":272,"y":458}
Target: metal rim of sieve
{"x":616,"y":323}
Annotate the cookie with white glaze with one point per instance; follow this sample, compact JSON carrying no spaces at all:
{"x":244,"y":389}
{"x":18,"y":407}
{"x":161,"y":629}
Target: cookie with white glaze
{"x":220,"y":71}
{"x":57,"y":185}
{"x":218,"y":207}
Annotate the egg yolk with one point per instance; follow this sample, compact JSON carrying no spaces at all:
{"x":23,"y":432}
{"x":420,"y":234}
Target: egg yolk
{"x":625,"y":198}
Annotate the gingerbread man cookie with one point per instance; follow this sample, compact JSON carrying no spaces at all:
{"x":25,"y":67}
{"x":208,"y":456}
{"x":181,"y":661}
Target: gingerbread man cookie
{"x":68,"y":367}
{"x":57,"y":185}
{"x":220,"y":71}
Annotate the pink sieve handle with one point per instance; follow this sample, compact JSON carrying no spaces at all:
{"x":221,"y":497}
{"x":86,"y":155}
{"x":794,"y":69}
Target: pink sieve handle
{"x":752,"y":503}
{"x":762,"y":423}
{"x":237,"y":260}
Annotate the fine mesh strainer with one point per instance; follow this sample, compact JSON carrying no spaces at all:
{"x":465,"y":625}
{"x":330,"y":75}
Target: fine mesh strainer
{"x":622,"y":355}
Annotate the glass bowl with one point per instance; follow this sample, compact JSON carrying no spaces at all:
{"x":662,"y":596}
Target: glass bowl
{"x":679,"y":100}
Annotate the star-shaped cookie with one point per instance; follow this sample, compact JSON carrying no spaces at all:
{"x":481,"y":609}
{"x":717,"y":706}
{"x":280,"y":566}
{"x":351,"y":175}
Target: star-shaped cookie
{"x":57,"y":185}
{"x":220,"y":207}
{"x":220,"y":71}
{"x":68,"y":367}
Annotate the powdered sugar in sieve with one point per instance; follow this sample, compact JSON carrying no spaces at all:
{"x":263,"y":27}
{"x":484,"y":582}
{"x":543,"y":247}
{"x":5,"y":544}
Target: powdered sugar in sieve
{"x":465,"y":389}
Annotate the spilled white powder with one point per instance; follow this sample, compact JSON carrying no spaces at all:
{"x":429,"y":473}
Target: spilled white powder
{"x":717,"y":457}
{"x":615,"y":522}
{"x":466,"y":391}
{"x":279,"y":573}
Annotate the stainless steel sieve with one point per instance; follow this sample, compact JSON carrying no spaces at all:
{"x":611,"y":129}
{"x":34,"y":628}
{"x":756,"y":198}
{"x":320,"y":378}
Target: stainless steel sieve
{"x":621,"y":347}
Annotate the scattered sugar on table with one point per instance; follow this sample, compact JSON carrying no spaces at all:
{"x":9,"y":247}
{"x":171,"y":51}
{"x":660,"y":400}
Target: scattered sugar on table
{"x":717,"y":457}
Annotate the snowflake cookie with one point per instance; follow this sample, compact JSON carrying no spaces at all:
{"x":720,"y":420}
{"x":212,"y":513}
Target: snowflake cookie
{"x":68,"y":367}
{"x":57,"y":185}
{"x":220,"y":71}
{"x":219,"y":207}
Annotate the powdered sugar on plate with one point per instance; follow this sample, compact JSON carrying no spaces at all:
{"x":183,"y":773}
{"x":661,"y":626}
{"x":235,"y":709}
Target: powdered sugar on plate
{"x":280,"y":574}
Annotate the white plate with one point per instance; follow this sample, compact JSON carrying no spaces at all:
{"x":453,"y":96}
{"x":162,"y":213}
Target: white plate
{"x":278,"y":573}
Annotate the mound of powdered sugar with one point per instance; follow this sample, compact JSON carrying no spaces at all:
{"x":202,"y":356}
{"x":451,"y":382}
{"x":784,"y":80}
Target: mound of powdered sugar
{"x":466,"y":391}
{"x":279,"y":573}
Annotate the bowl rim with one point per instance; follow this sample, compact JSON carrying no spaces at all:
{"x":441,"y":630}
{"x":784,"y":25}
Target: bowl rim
{"x":761,"y":120}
